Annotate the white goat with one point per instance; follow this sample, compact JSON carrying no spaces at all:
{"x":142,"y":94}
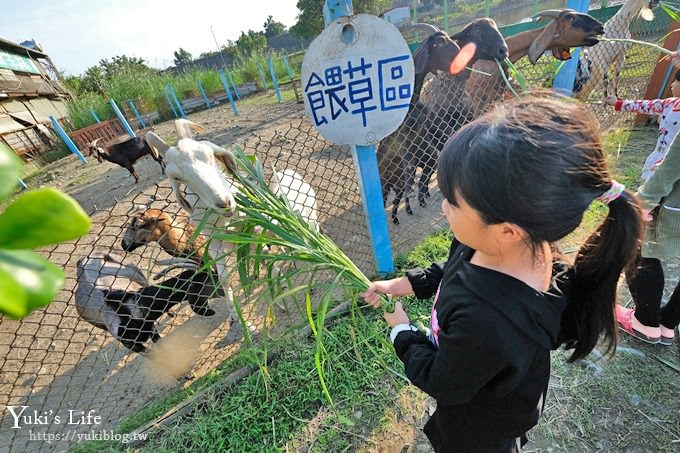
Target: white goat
{"x":596,"y":62}
{"x":208,"y":194}
{"x":299,"y":193}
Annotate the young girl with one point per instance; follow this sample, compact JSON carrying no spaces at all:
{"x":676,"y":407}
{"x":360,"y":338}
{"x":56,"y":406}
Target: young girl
{"x":514,"y":181}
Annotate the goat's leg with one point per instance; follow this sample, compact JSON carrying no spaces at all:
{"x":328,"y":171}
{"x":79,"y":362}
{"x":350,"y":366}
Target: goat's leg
{"x":424,"y":185}
{"x":161,"y":162}
{"x":132,"y":171}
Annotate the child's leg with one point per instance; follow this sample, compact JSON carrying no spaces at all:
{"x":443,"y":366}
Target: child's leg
{"x":670,"y":314}
{"x":646,"y":286}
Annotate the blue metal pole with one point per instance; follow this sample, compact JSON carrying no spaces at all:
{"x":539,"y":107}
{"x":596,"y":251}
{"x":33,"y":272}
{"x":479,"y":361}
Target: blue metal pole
{"x":122,"y":119}
{"x":290,"y":72}
{"x":136,"y":112}
{"x":205,"y":96}
{"x":275,"y":82}
{"x":172,"y":106}
{"x":22,"y":184}
{"x":564,"y":80}
{"x":233,"y":85}
{"x":366,"y":165}
{"x":264,"y":81}
{"x":226,"y":89}
{"x":94,"y":115}
{"x":178,"y":104}
{"x":64,"y":136}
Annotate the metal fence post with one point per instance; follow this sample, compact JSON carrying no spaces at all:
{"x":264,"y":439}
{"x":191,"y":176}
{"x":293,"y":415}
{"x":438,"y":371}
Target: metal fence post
{"x":67,"y":140}
{"x":233,"y":85}
{"x":274,"y":80}
{"x":136,"y":112}
{"x":564,"y":80}
{"x":122,"y":119}
{"x":172,"y":106}
{"x":366,"y":164}
{"x":226,"y":89}
{"x":180,"y":109}
{"x":264,"y":81}
{"x":290,"y":71}
{"x":94,"y":115}
{"x":205,"y":96}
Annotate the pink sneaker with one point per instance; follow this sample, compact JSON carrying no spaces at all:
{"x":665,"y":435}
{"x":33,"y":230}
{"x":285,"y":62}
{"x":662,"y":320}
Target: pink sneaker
{"x":624,"y":317}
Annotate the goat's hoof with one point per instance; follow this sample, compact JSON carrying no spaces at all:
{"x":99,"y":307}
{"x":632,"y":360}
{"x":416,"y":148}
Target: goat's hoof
{"x":395,"y":220}
{"x":422,"y":203}
{"x":409,"y":211}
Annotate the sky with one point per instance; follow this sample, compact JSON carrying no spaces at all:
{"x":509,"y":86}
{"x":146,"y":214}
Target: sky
{"x":77,"y":34}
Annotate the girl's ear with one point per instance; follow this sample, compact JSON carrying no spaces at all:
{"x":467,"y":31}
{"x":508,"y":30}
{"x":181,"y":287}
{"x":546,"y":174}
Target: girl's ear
{"x":509,"y":232}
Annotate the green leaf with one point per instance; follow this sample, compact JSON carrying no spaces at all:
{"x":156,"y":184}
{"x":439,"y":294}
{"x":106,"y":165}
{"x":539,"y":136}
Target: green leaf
{"x":13,"y":299}
{"x":10,"y":170}
{"x":42,"y":217}
{"x":345,"y":420}
{"x":40,"y":279}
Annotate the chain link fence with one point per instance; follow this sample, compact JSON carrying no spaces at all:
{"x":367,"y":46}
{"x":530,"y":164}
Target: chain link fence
{"x":56,"y":364}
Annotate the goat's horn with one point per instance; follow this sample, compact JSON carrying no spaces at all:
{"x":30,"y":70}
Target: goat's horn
{"x":548,"y":13}
{"x":426,"y":27}
{"x":136,"y":207}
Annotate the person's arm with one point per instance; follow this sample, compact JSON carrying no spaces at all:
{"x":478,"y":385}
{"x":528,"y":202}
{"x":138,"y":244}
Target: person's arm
{"x":664,"y":178}
{"x":456,"y":371}
{"x":645,"y":106}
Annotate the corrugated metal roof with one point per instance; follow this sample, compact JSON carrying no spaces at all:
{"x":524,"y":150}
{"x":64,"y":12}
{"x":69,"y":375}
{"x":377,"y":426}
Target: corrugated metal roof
{"x":7,"y":124}
{"x":9,"y":45}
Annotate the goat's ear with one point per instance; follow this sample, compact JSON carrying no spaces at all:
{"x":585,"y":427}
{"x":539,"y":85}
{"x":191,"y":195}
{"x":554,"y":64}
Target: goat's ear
{"x":542,"y":41}
{"x":227,"y":157}
{"x":421,"y":56}
{"x":180,"y":197}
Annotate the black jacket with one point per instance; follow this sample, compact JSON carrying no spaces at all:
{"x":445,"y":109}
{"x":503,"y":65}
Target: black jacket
{"x":490,"y":372}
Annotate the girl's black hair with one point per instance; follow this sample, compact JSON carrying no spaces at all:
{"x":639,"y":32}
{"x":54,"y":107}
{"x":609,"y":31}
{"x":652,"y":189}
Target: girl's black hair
{"x":538,"y":162}
{"x":677,"y":75}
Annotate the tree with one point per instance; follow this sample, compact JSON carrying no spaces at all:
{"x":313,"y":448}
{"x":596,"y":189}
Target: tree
{"x":250,"y":43}
{"x":310,"y":19}
{"x":182,"y":57}
{"x":273,"y":28}
{"x":122,"y":64}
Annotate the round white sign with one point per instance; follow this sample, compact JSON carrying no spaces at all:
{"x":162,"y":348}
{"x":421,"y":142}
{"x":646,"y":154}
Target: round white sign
{"x":357,"y":80}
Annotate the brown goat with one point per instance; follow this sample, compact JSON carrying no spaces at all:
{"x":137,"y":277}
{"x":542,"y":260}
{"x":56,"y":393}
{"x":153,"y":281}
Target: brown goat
{"x":567,"y":29}
{"x":173,"y":234}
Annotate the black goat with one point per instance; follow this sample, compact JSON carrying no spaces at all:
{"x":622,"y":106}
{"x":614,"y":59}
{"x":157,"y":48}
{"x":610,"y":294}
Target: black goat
{"x":420,"y":138}
{"x":115,"y":297}
{"x":127,"y":153}
{"x":435,"y":54}
{"x":448,"y":104}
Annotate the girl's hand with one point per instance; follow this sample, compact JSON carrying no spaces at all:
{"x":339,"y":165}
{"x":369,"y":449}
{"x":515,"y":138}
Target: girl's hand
{"x":395,"y":287}
{"x":610,"y":100}
{"x":399,"y":316}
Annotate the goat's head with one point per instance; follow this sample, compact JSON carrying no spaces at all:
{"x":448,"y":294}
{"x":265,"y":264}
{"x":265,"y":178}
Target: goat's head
{"x":567,"y":29}
{"x":95,"y":150}
{"x":435,"y":52}
{"x":487,"y":38}
{"x":145,"y":226}
{"x":646,"y":12}
{"x":186,"y":128}
{"x":194,"y":164}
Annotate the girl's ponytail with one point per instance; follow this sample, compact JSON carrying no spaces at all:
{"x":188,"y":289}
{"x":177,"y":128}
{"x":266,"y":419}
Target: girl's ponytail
{"x":598,"y":266}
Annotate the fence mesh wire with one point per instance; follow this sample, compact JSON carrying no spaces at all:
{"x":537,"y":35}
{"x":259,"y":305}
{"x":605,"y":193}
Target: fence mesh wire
{"x":54,"y":361}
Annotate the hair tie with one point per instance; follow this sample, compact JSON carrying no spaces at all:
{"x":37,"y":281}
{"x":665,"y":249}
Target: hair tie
{"x":613,"y":193}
